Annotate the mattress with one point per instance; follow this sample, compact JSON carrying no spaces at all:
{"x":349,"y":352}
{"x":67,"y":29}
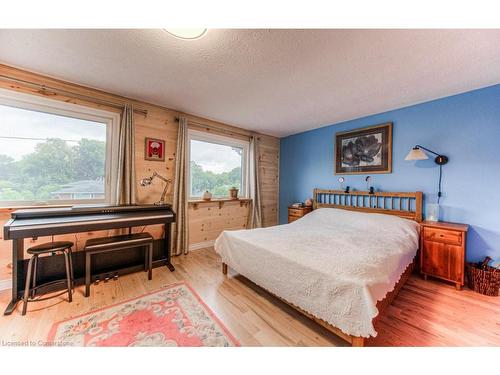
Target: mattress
{"x":332,"y":263}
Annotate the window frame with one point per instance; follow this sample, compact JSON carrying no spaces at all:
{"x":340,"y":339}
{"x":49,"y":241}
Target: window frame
{"x":56,"y":107}
{"x":224,"y":141}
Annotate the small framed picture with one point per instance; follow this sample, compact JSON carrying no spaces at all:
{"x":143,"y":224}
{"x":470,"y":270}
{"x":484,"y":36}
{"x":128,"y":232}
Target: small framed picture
{"x":154,"y":149}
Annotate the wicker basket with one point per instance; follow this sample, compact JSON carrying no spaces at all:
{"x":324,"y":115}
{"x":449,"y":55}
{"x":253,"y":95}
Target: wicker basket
{"x":484,"y":280}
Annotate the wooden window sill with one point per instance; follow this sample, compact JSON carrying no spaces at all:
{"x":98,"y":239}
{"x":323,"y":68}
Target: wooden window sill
{"x":13,"y":208}
{"x":196,"y":202}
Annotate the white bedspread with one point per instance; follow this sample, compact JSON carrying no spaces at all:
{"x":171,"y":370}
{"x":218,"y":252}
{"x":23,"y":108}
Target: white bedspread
{"x":334,"y":264}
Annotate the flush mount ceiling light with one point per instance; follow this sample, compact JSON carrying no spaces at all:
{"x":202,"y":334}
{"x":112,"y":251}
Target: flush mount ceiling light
{"x":188,"y":34}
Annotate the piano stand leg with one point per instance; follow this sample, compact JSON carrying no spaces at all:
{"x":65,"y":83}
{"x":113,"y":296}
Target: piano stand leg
{"x":166,"y":246}
{"x":17,"y":257}
{"x":11,"y":307}
{"x":170,"y":266}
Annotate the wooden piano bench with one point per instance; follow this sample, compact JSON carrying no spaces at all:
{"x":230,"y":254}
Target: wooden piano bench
{"x":116,"y":243}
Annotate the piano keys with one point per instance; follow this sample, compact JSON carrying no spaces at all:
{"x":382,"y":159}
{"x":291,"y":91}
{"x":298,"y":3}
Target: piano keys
{"x":34,"y":223}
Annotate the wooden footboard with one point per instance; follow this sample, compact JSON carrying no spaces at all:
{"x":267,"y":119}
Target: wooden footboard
{"x":355,"y":341}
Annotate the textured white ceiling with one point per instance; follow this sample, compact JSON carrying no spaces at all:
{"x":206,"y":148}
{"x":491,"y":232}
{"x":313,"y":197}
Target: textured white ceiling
{"x":277,"y":82}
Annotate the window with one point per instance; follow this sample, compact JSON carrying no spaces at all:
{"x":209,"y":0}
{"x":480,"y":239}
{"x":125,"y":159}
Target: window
{"x":216,"y":164}
{"x":53,"y":152}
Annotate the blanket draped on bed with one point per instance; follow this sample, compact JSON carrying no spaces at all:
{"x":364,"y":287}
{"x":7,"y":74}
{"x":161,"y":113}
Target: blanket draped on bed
{"x":332,"y":263}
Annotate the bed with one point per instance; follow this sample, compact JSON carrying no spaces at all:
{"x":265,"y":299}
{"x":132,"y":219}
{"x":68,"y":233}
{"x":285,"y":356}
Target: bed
{"x":339,"y":265}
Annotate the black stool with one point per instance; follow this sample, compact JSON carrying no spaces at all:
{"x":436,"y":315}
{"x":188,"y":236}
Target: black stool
{"x":30,"y":288}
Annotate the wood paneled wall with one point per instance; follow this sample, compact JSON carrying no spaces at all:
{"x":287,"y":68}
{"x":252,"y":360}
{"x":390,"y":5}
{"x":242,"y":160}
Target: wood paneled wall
{"x":208,"y":220}
{"x":269,"y":157}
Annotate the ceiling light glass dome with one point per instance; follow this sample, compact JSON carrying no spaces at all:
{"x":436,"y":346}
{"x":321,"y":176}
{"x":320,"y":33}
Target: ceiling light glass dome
{"x":186,"y":33}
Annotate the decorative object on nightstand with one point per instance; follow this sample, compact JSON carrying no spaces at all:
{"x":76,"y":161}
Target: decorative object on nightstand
{"x":207,"y":196}
{"x":148,"y":180}
{"x":296,"y":212}
{"x":233,"y":193}
{"x":442,"y":251}
{"x":432,"y":212}
{"x":308,"y":202}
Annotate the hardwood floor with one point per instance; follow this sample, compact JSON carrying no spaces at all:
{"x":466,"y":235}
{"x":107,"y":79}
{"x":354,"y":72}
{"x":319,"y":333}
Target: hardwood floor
{"x":425,"y":313}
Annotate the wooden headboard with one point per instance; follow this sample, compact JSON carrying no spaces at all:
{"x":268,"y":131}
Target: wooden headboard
{"x":405,"y":205}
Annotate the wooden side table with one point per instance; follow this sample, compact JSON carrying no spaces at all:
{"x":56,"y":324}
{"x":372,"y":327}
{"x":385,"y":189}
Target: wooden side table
{"x":295,"y":213}
{"x":442,"y":251}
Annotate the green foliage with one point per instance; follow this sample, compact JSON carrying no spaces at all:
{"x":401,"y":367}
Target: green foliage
{"x":217,"y":183}
{"x":90,"y":157}
{"x":53,"y":164}
{"x":6,"y":167}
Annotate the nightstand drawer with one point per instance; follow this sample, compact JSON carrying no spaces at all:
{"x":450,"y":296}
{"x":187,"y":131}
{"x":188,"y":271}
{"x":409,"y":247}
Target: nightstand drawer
{"x":444,"y":236}
{"x":296,"y":212}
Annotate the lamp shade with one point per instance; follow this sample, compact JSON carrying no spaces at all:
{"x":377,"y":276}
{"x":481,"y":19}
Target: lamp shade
{"x":416,"y":154}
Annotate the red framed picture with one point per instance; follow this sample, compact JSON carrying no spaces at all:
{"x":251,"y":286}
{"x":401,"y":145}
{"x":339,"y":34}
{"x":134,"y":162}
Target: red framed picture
{"x":154,"y":149}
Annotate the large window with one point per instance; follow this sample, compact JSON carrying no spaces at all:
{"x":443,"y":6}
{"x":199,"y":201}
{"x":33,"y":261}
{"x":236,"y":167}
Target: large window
{"x":216,"y":164}
{"x":52,"y":152}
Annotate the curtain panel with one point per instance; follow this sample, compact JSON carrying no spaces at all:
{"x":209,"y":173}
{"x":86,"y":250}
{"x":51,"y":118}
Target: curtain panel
{"x":180,"y":235}
{"x":123,"y":190}
{"x":255,"y":214}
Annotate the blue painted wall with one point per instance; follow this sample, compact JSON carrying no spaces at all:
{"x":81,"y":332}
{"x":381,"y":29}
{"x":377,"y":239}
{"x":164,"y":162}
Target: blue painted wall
{"x":464,"y":127}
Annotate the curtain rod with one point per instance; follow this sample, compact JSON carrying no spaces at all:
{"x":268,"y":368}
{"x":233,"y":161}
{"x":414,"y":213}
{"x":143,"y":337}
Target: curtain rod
{"x":224,"y":130}
{"x":44,"y":88}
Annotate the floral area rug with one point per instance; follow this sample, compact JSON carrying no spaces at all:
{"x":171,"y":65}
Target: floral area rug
{"x":173,"y":316}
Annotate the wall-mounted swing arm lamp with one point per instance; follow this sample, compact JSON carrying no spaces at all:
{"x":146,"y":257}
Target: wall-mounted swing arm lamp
{"x":417,"y":154}
{"x":148,"y":180}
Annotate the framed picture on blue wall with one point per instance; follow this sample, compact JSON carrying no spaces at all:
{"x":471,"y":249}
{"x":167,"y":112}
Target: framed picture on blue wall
{"x":366,"y":150}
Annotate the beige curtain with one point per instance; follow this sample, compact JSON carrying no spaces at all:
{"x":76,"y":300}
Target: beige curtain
{"x":180,"y":236}
{"x":255,"y":214}
{"x":123,"y":166}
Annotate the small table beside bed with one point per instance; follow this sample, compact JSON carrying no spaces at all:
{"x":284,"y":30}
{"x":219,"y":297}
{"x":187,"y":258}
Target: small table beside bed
{"x":340,"y":265}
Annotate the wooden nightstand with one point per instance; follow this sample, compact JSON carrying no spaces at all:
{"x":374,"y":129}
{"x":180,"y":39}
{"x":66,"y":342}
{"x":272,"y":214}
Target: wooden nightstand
{"x":442,"y":251}
{"x":295,"y":213}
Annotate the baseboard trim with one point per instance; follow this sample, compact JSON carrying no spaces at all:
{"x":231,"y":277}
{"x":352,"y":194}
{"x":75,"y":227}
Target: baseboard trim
{"x":5,"y":284}
{"x":201,"y":245}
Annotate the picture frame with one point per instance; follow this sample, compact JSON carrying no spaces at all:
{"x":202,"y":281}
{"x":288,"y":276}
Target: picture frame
{"x":364,"y":150}
{"x":154,"y":149}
